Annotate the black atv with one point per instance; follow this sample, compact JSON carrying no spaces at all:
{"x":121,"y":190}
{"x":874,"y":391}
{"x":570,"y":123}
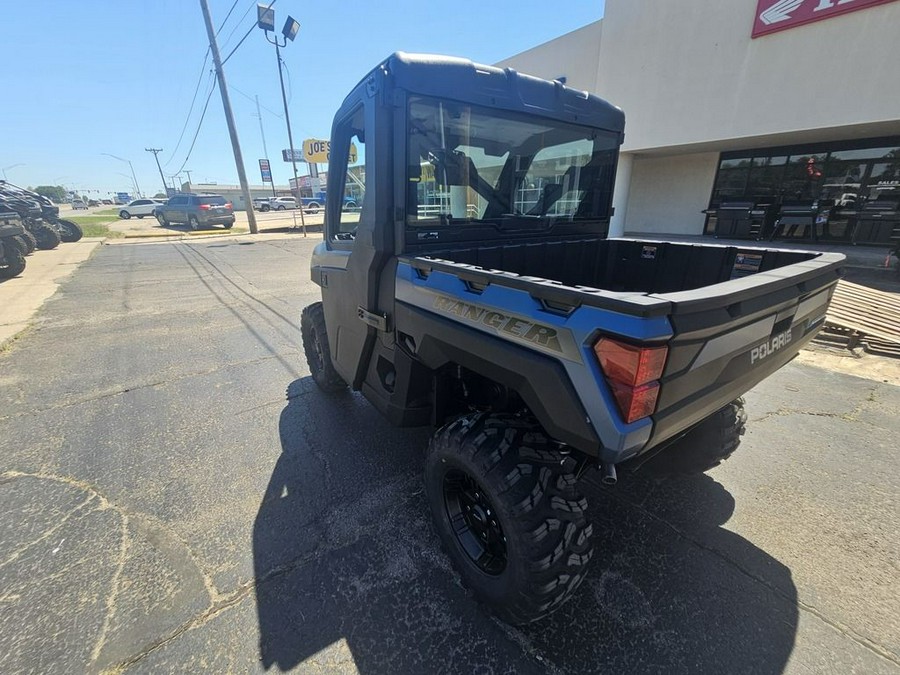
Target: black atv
{"x":40,"y":207}
{"x":12,"y":258}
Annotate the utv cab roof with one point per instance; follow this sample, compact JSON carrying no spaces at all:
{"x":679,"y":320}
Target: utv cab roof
{"x":463,"y":80}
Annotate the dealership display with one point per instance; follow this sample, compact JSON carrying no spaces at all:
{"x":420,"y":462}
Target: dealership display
{"x":476,"y":291}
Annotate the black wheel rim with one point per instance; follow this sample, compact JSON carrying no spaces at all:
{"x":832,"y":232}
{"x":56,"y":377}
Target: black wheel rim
{"x":474,"y":521}
{"x":317,"y":362}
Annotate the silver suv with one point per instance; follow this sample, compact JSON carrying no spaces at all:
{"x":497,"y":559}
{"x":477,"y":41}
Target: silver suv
{"x":197,"y":211}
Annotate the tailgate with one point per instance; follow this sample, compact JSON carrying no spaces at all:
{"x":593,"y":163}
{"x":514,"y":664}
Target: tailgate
{"x":730,"y":336}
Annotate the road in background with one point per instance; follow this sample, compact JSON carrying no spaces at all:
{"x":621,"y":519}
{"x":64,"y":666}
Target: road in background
{"x":176,"y":495}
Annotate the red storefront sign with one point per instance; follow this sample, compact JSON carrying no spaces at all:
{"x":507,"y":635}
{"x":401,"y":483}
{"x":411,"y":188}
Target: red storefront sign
{"x":775,"y":15}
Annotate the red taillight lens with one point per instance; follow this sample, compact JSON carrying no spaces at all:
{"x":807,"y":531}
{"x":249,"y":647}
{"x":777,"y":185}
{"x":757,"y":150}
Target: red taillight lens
{"x":204,"y":207}
{"x":228,"y":206}
{"x":630,"y":364}
{"x":635,"y":402}
{"x":632,"y":373}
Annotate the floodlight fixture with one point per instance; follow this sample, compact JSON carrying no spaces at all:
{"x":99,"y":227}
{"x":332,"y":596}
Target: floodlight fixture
{"x":291,"y":28}
{"x":265,"y":16}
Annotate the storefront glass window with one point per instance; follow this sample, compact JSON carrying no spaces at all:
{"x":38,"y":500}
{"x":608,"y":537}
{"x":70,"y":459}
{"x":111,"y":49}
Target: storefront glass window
{"x":836,"y":179}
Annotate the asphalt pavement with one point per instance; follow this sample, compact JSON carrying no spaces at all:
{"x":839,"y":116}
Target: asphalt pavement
{"x":176,"y":496}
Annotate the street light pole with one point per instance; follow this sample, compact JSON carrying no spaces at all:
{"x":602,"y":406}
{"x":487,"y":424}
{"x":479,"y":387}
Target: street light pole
{"x":7,"y":168}
{"x":287,"y":115}
{"x":229,"y":118}
{"x":137,"y":188}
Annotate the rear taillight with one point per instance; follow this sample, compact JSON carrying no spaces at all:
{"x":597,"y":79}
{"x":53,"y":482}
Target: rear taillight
{"x":228,"y":206}
{"x":632,"y":373}
{"x":204,"y":207}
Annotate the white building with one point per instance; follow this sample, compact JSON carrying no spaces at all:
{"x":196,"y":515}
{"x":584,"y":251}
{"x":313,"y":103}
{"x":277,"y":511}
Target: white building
{"x":809,"y":109}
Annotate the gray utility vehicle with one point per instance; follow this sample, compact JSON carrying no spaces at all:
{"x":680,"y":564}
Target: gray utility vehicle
{"x":477,"y":291}
{"x":197,"y":211}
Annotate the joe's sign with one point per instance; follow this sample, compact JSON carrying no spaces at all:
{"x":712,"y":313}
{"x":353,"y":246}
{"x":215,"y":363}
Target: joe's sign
{"x":773,"y":15}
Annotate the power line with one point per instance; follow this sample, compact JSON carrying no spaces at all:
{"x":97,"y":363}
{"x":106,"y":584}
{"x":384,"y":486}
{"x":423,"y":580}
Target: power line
{"x":250,"y":98}
{"x":246,"y":35}
{"x":241,"y":20}
{"x":234,"y":4}
{"x":199,"y":126}
{"x":191,"y":109}
{"x":290,"y":86}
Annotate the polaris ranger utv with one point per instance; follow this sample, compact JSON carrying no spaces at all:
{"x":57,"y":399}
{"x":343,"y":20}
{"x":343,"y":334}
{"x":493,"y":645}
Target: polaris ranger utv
{"x":476,"y":291}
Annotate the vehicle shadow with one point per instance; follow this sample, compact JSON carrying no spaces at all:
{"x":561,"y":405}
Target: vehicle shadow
{"x":350,"y":575}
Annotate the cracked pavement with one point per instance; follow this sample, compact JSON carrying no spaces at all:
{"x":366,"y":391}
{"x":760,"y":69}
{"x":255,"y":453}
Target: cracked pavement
{"x":177,"y":496}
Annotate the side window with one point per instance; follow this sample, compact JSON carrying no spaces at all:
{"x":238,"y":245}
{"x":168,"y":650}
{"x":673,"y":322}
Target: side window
{"x":350,"y":146}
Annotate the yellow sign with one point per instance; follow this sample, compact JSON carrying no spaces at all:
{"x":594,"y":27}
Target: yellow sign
{"x":316,"y":151}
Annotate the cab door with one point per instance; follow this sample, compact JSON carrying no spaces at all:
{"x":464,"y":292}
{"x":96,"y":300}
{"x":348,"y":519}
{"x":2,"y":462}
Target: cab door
{"x":355,"y":254}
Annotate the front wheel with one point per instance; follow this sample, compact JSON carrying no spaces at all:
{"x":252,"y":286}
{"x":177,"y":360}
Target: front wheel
{"x":315,"y":346}
{"x":124,"y":215}
{"x":280,"y":207}
{"x":509,"y":514}
{"x":69,"y":231}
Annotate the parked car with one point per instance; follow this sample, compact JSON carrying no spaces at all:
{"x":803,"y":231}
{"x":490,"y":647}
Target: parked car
{"x":140,"y":208}
{"x":199,"y":211}
{"x":77,"y":205}
{"x":106,"y":202}
{"x":282,"y":203}
{"x":93,"y":202}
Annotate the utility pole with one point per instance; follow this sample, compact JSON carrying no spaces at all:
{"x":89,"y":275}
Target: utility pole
{"x":155,"y":152}
{"x":287,"y":118}
{"x":265,"y":149}
{"x":229,"y":118}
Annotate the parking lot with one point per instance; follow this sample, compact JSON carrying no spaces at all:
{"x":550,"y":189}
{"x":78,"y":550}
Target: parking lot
{"x":177,"y":496}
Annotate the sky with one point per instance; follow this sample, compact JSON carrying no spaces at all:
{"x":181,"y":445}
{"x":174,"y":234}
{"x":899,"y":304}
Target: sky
{"x":83,"y":78}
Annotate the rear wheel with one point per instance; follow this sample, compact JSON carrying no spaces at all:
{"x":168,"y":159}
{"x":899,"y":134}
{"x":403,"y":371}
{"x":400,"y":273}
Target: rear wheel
{"x":30,"y":241}
{"x":509,"y":514}
{"x":46,"y":237}
{"x":69,"y":231}
{"x":315,"y":346}
{"x":705,"y":446}
{"x":228,"y":226}
{"x":193,"y":223}
{"x":18,"y":243}
{"x":140,"y":217}
{"x":13,"y":262}
{"x":162,"y":220}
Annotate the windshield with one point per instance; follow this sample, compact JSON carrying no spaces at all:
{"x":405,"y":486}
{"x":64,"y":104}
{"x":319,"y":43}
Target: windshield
{"x":468,"y":164}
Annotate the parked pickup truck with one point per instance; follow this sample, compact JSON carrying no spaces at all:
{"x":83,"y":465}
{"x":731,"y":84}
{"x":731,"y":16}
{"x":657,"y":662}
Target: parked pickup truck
{"x":537,"y":347}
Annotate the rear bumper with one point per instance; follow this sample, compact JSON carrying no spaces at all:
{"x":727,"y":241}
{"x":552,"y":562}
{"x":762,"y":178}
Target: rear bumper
{"x":217,"y":220}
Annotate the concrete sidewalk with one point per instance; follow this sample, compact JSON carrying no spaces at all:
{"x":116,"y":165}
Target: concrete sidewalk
{"x":22,"y":296}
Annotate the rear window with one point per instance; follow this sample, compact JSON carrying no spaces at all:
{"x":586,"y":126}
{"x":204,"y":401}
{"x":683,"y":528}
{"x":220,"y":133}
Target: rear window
{"x":214,"y":201}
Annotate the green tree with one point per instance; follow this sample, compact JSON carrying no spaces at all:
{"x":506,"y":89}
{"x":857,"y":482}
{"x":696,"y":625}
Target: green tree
{"x":55,"y":193}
